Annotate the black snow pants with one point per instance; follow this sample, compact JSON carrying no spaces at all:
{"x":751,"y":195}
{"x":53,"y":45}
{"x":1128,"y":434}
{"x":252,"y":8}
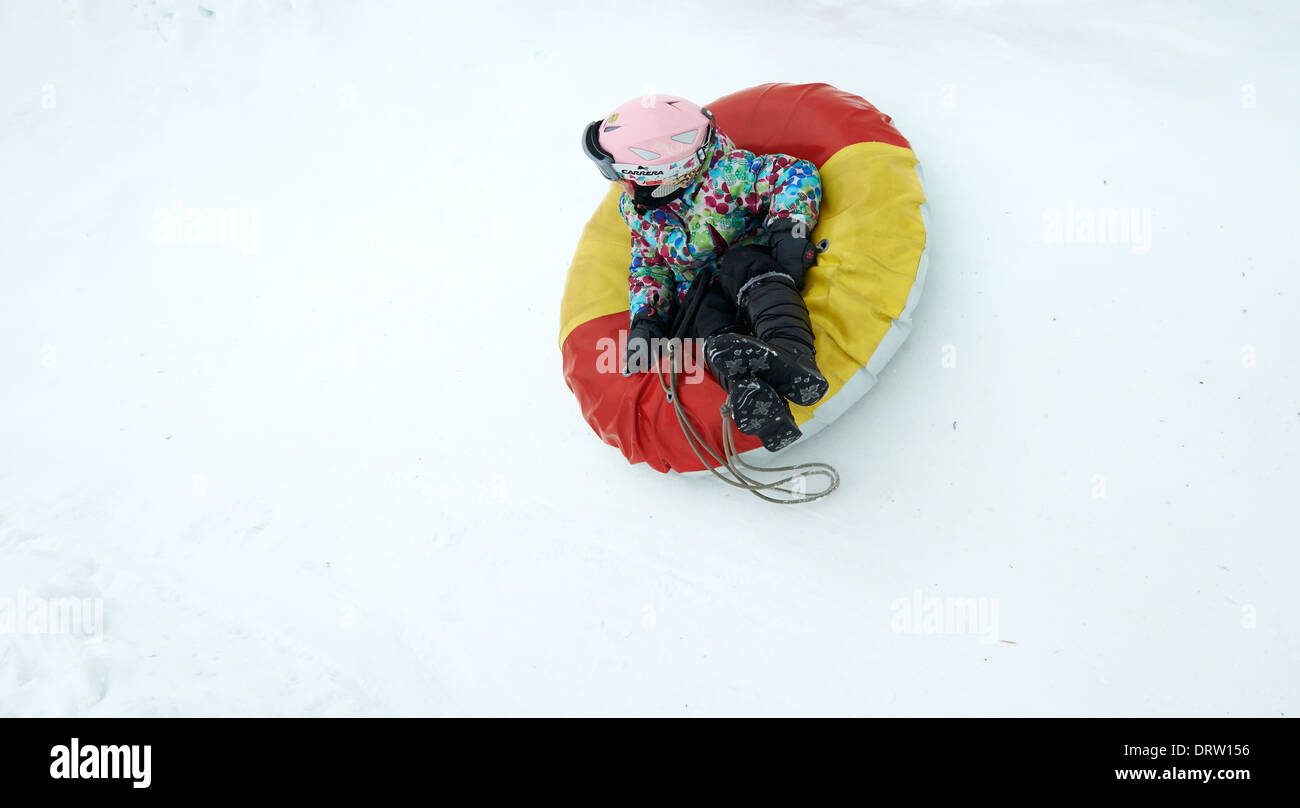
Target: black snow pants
{"x":715,"y":310}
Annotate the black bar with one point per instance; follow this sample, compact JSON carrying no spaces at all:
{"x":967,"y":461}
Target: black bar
{"x":329,"y":757}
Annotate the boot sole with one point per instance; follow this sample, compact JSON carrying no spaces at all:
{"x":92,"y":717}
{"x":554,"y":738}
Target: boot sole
{"x":742,"y":355}
{"x":738,"y":355}
{"x":761,"y":412}
{"x":803,"y":389}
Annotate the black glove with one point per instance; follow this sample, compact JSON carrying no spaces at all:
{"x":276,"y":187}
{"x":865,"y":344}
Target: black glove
{"x":639,"y":358}
{"x":792,"y":248}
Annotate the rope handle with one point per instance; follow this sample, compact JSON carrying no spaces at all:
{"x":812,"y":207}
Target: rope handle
{"x":731,"y":459}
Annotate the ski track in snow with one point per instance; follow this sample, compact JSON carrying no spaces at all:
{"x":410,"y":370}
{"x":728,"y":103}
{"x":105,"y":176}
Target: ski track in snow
{"x":325,"y":463}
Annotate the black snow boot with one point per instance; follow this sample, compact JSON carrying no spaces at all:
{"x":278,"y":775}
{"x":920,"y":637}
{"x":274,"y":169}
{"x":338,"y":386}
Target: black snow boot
{"x":775,"y":310}
{"x":757,"y":408}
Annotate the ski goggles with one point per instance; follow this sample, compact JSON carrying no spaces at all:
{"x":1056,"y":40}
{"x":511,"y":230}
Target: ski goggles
{"x":687,"y":167}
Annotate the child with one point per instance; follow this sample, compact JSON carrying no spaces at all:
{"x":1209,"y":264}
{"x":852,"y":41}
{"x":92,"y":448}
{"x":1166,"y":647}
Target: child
{"x":699,"y":207}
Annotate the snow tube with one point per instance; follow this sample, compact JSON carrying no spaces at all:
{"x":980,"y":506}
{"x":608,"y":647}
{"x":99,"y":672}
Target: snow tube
{"x":860,"y":294}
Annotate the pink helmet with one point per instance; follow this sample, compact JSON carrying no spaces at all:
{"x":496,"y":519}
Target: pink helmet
{"x":652,"y":140}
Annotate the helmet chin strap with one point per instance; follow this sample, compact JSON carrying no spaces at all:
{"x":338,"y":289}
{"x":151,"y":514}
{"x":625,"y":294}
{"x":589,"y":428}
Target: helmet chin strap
{"x":658,"y":195}
{"x":665,"y":188}
{"x":654,"y":196}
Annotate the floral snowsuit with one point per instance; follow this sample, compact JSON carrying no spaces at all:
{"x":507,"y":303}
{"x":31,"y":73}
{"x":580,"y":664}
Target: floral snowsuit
{"x":730,"y":205}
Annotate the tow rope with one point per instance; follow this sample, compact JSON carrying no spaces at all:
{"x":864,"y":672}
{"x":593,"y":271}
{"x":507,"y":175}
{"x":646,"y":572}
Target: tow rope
{"x":794,"y":495}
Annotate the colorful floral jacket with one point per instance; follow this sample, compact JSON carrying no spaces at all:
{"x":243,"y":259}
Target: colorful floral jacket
{"x":729,"y":205}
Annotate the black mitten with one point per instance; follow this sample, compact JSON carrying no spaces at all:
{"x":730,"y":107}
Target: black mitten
{"x":639,"y":358}
{"x":792,"y":248}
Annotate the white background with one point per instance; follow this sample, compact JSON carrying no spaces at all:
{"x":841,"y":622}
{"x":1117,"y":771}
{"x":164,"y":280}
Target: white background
{"x":334,"y":469}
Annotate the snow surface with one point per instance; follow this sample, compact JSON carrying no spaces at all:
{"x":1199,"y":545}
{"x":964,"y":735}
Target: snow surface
{"x":325,"y":463}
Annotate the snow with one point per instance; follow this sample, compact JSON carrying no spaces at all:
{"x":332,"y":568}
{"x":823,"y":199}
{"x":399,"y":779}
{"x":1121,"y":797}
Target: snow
{"x":321,"y":460}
